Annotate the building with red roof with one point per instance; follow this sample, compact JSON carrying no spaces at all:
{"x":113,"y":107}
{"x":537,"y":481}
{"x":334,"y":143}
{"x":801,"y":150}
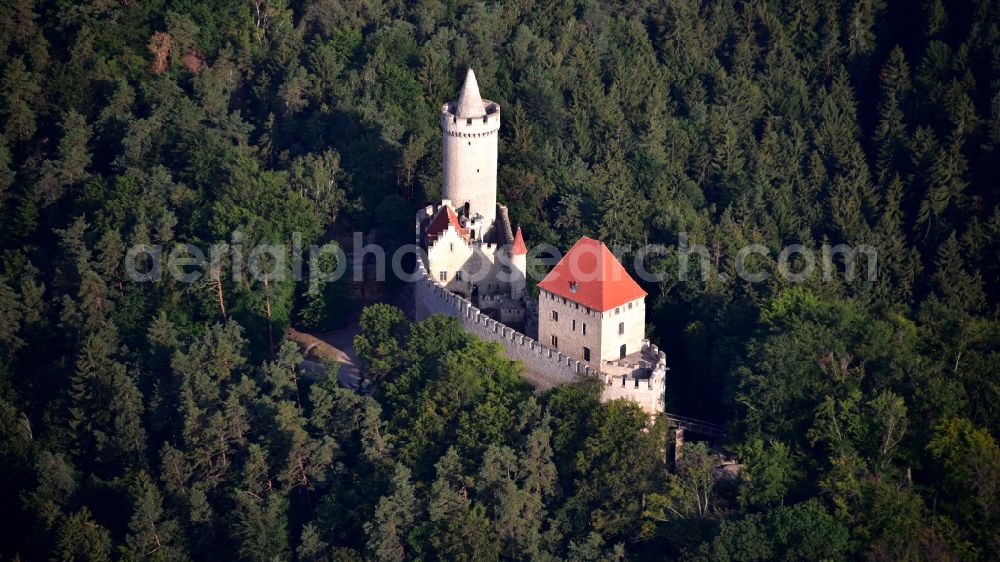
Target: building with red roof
{"x":589,"y":274}
{"x":444,"y":219}
{"x":590,"y":307}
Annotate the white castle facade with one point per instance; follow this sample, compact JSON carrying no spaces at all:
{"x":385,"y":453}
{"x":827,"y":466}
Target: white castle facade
{"x":590,"y":317}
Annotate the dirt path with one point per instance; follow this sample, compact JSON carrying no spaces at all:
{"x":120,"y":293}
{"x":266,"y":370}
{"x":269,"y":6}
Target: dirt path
{"x":339,"y":345}
{"x":335,"y":346}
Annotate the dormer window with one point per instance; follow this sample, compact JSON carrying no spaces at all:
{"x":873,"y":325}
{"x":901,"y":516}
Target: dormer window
{"x":573,"y":286}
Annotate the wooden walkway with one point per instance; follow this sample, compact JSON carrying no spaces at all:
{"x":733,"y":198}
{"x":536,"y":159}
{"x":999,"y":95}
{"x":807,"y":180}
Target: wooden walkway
{"x":700,"y":427}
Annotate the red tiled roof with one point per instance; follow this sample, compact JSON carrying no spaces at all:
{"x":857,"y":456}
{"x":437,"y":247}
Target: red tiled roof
{"x":591,"y":275}
{"x":446,"y":216}
{"x":518,"y":248}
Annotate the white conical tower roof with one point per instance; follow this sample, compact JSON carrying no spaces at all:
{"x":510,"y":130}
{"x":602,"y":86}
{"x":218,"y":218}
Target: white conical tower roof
{"x":470,"y":103}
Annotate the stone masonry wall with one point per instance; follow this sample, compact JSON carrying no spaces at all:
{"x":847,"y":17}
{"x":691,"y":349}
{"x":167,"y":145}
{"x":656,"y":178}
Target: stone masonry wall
{"x":431,"y":298}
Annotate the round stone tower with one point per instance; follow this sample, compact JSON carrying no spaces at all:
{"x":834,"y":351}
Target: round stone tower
{"x":469,"y":128}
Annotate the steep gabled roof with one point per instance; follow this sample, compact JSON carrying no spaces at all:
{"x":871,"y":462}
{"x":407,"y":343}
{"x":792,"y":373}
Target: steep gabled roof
{"x":591,"y":275}
{"x":445,"y":217}
{"x":518,"y":248}
{"x":470,"y":103}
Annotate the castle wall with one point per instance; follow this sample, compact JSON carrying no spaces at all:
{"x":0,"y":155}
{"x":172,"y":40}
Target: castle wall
{"x":648,"y":393}
{"x":431,"y":298}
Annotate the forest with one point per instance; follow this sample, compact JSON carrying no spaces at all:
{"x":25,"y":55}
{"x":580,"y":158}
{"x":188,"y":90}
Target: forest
{"x":168,"y":421}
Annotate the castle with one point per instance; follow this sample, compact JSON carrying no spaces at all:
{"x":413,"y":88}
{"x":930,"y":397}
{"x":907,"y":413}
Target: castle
{"x":590,"y":316}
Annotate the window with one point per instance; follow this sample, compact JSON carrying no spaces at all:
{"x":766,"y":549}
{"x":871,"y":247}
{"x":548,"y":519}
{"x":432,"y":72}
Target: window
{"x":443,"y":276}
{"x":451,"y":247}
{"x":468,"y":121}
{"x":555,"y":316}
{"x":555,"y":342}
{"x":621,"y":351}
{"x":617,"y":310}
{"x":458,"y":275}
{"x":573,"y":286}
{"x":585,"y":328}
{"x":621,"y":328}
{"x":630,"y":306}
{"x":586,"y":354}
{"x":574,"y":325}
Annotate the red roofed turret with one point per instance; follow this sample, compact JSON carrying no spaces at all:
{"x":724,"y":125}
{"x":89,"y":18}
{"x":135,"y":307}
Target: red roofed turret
{"x":518,"y":248}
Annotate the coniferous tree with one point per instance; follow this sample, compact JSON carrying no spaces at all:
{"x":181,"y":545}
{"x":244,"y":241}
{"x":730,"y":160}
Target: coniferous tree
{"x":388,"y":533}
{"x":458,"y":527}
{"x":20,"y":90}
{"x":151,"y":535}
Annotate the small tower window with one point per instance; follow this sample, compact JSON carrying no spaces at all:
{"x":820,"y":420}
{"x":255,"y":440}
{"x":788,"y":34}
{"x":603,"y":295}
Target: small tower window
{"x":555,"y":342}
{"x":468,"y":121}
{"x":586,"y":354}
{"x":574,"y":325}
{"x":555,"y":316}
{"x":443,"y":276}
{"x":621,"y":328}
{"x":585,"y":328}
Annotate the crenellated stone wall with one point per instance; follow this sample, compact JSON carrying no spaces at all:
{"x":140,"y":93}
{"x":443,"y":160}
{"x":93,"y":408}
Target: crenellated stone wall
{"x":644,"y":383}
{"x":431,"y":298}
